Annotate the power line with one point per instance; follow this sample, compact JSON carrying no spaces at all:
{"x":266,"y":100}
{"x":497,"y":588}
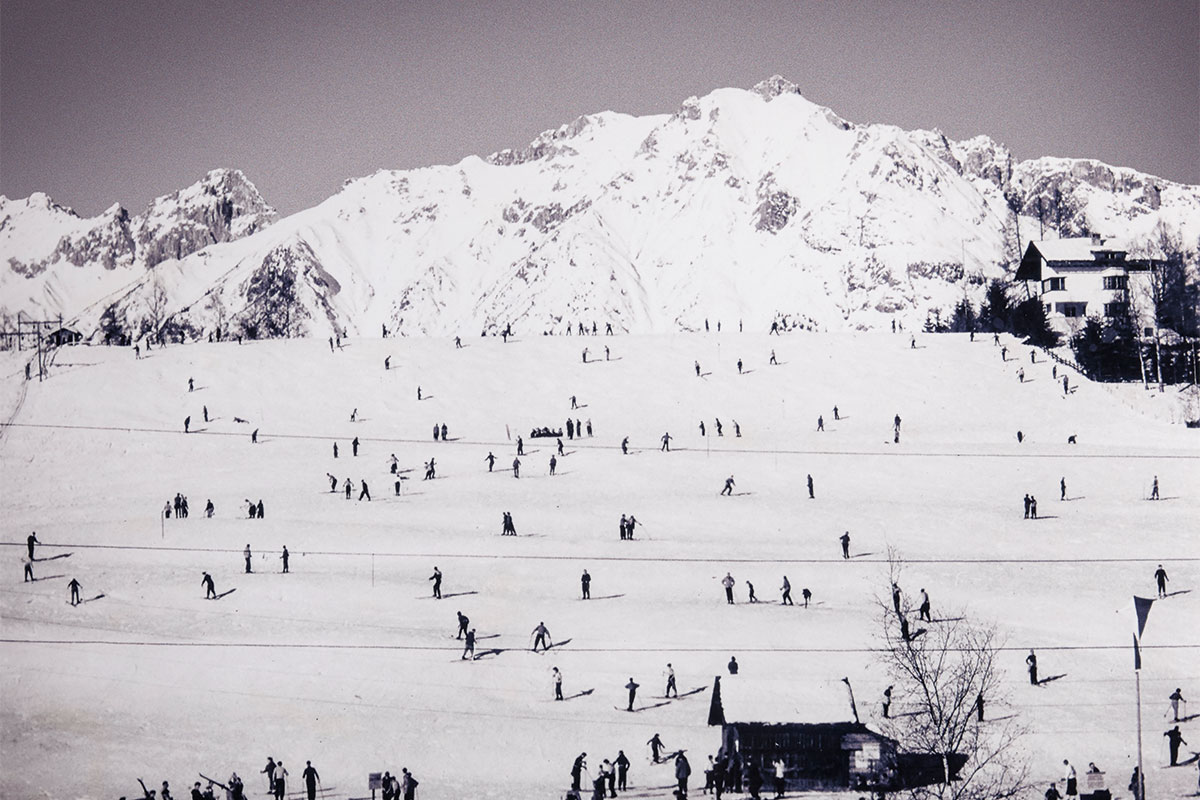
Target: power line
{"x":632,"y":559}
{"x":455,"y":649}
{"x":734,"y":451}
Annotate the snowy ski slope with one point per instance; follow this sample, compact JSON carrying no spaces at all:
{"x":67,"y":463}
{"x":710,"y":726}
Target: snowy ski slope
{"x":348,"y":662}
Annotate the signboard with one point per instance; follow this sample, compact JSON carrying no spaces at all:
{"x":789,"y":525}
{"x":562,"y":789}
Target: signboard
{"x":374,"y":780}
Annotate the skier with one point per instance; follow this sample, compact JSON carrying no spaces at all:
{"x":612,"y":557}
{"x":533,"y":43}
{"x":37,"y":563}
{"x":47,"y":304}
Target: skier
{"x":787,"y":592}
{"x":733,"y":665}
{"x":269,"y":769}
{"x":728,"y":490}
{"x":585,"y":583}
{"x":335,"y":450}
{"x":896,"y":597}
{"x":1154,"y":489}
{"x":845,"y":539}
{"x":720,"y":427}
{"x":28,"y":570}
{"x":1062,"y":488}
{"x":246,"y":554}
{"x":682,"y":770}
{"x":750,"y":588}
{"x":445,"y":438}
{"x":811,"y":496}
{"x":773,"y":361}
{"x":836,"y":417}
{"x":1174,"y":739}
{"x":365,"y":492}
{"x":820,"y":423}
{"x":807,"y":595}
{"x":30,"y":541}
{"x":560,"y":446}
{"x":187,"y":422}
{"x":387,"y":362}
{"x":737,"y":429}
{"x":589,"y":427}
{"x":520,"y":446}
{"x":1176,"y":698}
{"x":516,"y":467}
{"x":205,"y":409}
{"x":209,"y":509}
{"x":739,"y":366}
{"x":74,"y":586}
{"x":349,"y":487}
{"x":632,"y":687}
{"x":281,"y":774}
{"x":887,"y":701}
{"x":462,"y":624}
{"x":666,"y":443}
{"x":728,"y":583}
{"x":210,"y":592}
{"x":924,"y":611}
{"x":354,"y":445}
{"x":1031,"y":662}
{"x":436,"y":577}
{"x":656,"y":748}
{"x":191,"y":384}
{"x":625,"y":446}
{"x":541,"y":636}
{"x":469,"y":646}
{"x":491,"y":460}
{"x":311,"y":779}
{"x":697,"y":369}
{"x":284,"y":558}
{"x":354,"y":415}
{"x":1160,"y":579}
{"x":670,"y":682}
{"x":557,"y":676}
{"x":702,"y":427}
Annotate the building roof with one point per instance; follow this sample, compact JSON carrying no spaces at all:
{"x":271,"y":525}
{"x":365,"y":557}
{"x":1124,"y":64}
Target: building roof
{"x":740,"y":698}
{"x":1076,"y":249}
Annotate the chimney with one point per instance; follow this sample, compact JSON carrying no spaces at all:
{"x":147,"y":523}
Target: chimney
{"x":1096,"y":239}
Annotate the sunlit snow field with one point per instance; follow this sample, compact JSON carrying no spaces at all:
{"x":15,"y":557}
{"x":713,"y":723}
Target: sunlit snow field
{"x":349,"y":663}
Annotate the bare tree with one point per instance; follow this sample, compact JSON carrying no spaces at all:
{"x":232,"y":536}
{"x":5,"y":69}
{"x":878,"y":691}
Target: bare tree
{"x":156,"y":307}
{"x":941,"y":675}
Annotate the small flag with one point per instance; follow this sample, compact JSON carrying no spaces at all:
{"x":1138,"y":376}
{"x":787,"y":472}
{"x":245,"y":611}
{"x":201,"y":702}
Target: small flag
{"x":1137,"y":654}
{"x":1142,"y":606}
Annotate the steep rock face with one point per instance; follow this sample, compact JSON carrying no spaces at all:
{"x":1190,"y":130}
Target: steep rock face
{"x":59,"y":263}
{"x":741,"y":205}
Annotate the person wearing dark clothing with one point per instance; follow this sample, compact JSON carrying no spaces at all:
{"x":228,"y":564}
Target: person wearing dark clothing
{"x":1154,"y":489}
{"x":28,"y":570}
{"x":733,"y":665}
{"x":32,"y":539}
{"x":469,"y":646}
{"x":585,"y":582}
{"x":436,"y":577}
{"x":210,"y":591}
{"x":1052,"y":793}
{"x":811,"y":496}
{"x":577,"y":769}
{"x":666,"y":443}
{"x":787,"y":592}
{"x":1174,"y":739}
{"x":311,"y":779}
{"x":845,"y":539}
{"x":632,"y":687}
{"x":904,"y":632}
{"x":1160,"y":577}
{"x":1031,"y":663}
{"x":622,"y":764}
{"x":754,"y":782}
{"x":541,"y":636}
{"x":335,"y":450}
{"x":74,"y":586}
{"x":284,"y":558}
{"x":560,"y":446}
{"x":656,"y":748}
{"x":728,"y":490}
{"x":728,"y":583}
{"x":750,"y":588}
{"x":682,"y":770}
{"x":671,"y":682}
{"x":979,"y":707}
{"x":260,"y":509}
{"x":1137,"y":784}
{"x":807,"y":595}
{"x":887,"y":702}
{"x":520,"y":446}
{"x":516,"y":467}
{"x":445,"y":438}
{"x":187,"y":423}
{"x":269,"y":769}
{"x":354,"y":445}
{"x":437,"y":432}
{"x":924,"y":610}
{"x":349,"y":487}
{"x":209,"y":509}
{"x":280,"y":780}
{"x":365,"y":492}
{"x":625,"y":446}
{"x":246,"y":554}
{"x":463,"y":620}
{"x":896,"y":597}
{"x":491,"y":461}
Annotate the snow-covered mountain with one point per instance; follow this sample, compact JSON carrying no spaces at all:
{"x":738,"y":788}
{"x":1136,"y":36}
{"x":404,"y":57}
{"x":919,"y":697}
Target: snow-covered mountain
{"x":59,"y":263}
{"x":741,"y":205}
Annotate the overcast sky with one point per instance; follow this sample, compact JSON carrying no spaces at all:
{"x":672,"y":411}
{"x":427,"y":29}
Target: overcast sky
{"x":104,"y":102}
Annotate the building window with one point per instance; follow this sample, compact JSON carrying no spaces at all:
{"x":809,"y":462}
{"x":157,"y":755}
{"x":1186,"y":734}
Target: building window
{"x":1116,"y":282}
{"x":1070,"y":310}
{"x":1054,"y":285}
{"x":1115,"y":309}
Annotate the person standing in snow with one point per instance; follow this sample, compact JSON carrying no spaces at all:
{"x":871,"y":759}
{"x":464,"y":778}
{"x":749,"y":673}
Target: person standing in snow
{"x":354,"y":445}
{"x":728,"y":582}
{"x":1070,"y":779}
{"x":733,"y":665}
{"x":750,"y":588}
{"x":1031,"y":663}
{"x":74,"y":586}
{"x":671,"y":682}
{"x":787,"y":592}
{"x":811,"y":496}
{"x":820,"y":423}
{"x":541,"y":636}
{"x":656,"y":748}
{"x":246,"y":554}
{"x":625,"y":446}
{"x":585,"y":583}
{"x":702,"y":427}
{"x":1154,"y":489}
{"x":491,"y":460}
{"x":469,"y":646}
{"x":335,"y":450}
{"x":728,"y":490}
{"x":1176,"y":698}
{"x":887,"y":701}
{"x":187,"y":423}
{"x":1062,"y":488}
{"x":577,"y":770}
{"x":520,"y":446}
{"x":845,"y":539}
{"x":1174,"y":740}
{"x":666,"y":443}
{"x":896,"y":597}
{"x":632,"y":687}
{"x":516,"y":468}
{"x":924,"y":610}
{"x":1160,"y":580}
{"x":622,"y":764}
{"x":210,"y":591}
{"x":284,"y":557}
{"x":365,"y":492}
{"x":349,"y":487}
{"x":281,"y":774}
{"x":557,"y":676}
{"x":30,"y":541}
{"x":436,"y":577}
{"x":311,"y":779}
{"x":462,"y":624}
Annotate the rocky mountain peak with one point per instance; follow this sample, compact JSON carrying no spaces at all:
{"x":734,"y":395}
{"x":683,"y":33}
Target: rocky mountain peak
{"x":774,"y":86}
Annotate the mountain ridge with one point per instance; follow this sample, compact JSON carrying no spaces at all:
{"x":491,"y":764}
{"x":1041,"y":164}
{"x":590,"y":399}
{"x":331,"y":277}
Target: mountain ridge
{"x":752,"y":205}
